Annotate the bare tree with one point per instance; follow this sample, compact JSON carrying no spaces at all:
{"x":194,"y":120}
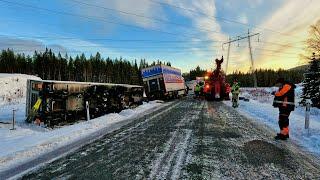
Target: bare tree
{"x":313,"y":42}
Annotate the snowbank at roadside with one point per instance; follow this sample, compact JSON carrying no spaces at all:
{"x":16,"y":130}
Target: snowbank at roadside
{"x":13,"y":88}
{"x":28,"y":142}
{"x":260,"y":108}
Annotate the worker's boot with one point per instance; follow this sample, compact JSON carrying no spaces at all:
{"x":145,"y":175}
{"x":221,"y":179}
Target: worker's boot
{"x":281,"y":137}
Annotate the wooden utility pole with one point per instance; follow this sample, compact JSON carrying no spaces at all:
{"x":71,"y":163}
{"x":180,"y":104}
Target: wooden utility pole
{"x":252,"y":69}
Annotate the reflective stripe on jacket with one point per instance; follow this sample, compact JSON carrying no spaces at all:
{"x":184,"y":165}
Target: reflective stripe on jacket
{"x":285,"y":95}
{"x":235,"y":88}
{"x":197,"y":88}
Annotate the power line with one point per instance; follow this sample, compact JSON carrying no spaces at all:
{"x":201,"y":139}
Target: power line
{"x":142,"y":16}
{"x":218,"y":17}
{"x":118,"y":40}
{"x":145,"y":52}
{"x":105,"y":39}
{"x":120,"y":53}
{"x":95,"y":19}
{"x":135,"y":50}
{"x":187,"y":51}
{"x":113,"y":40}
{"x":248,"y":36}
{"x":112,"y":46}
{"x":276,"y":55}
{"x":149,"y":48}
{"x":275,"y":51}
{"x":67,"y":38}
{"x":279,"y":44}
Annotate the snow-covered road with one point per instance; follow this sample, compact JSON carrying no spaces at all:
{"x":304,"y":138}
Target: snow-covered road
{"x":190,"y":139}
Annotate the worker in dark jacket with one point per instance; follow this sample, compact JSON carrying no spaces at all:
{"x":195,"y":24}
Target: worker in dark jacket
{"x":284,"y":100}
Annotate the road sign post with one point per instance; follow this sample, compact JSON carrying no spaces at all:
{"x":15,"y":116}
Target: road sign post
{"x":88,"y":112}
{"x":307,"y":115}
{"x":13,"y":119}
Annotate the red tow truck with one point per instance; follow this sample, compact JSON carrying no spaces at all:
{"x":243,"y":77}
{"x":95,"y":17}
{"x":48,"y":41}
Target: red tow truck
{"x":216,"y":87}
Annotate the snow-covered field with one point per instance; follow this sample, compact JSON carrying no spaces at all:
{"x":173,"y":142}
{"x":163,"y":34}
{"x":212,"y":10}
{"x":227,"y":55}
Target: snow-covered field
{"x":260,"y":108}
{"x":28,"y":140}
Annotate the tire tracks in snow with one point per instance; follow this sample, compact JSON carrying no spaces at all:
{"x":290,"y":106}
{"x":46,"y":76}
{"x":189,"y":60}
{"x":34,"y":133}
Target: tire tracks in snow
{"x":169,"y":163}
{"x":122,"y":154}
{"x":230,"y":146}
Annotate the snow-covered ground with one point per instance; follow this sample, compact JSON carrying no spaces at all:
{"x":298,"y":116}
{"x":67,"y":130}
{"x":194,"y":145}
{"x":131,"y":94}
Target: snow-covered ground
{"x":260,"y":108}
{"x":13,"y":89}
{"x":28,"y":140}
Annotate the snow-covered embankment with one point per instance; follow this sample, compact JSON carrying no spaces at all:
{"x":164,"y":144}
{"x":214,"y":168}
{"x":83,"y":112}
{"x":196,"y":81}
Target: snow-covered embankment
{"x":260,"y":108}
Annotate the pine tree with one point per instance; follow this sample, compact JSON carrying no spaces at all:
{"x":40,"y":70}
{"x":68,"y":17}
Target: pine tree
{"x":311,"y":83}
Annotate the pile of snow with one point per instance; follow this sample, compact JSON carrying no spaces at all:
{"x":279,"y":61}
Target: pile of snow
{"x":29,"y":141}
{"x":258,"y":94}
{"x":260,"y":108}
{"x":264,"y":94}
{"x":13,"y":88}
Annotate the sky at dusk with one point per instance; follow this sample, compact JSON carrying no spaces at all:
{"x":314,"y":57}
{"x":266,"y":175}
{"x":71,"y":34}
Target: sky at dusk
{"x":185,"y":32}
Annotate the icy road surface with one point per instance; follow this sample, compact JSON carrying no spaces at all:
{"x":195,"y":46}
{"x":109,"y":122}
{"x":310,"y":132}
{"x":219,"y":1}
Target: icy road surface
{"x":191,"y":139}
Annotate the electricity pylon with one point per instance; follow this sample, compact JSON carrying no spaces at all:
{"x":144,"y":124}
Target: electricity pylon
{"x":250,"y":53}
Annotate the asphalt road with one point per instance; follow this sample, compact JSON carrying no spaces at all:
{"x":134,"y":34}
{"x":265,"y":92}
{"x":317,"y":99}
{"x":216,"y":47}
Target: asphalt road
{"x":191,"y":139}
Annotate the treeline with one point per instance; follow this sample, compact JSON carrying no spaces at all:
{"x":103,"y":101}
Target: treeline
{"x":49,"y":66}
{"x":197,"y":72}
{"x":267,"y":77}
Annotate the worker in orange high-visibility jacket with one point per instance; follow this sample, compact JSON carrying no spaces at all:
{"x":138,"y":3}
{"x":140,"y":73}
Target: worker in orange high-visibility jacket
{"x":284,"y":100}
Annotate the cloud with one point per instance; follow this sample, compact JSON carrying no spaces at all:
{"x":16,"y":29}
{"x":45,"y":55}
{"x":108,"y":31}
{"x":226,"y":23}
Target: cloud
{"x":254,"y":3}
{"x":243,"y":18}
{"x":202,"y":22}
{"x":293,"y":20}
{"x":141,"y":7}
{"x":28,"y":46}
{"x":122,"y":12}
{"x":77,"y":46}
{"x":282,"y":35}
{"x":70,"y":46}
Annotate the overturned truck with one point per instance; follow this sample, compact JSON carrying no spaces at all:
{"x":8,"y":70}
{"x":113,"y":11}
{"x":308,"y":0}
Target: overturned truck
{"x":61,"y":102}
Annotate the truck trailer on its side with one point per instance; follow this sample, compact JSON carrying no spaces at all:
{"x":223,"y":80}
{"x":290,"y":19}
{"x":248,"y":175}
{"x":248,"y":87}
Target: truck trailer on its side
{"x":161,"y":81}
{"x":58,"y":102}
